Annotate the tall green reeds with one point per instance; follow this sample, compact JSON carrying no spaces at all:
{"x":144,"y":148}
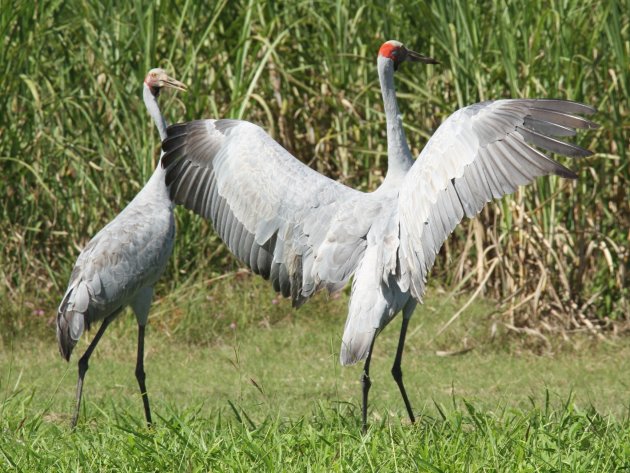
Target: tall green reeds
{"x":76,"y":143}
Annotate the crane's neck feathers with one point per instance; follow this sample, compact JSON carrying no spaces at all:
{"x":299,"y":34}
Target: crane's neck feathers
{"x":150,"y":100}
{"x":399,"y":158}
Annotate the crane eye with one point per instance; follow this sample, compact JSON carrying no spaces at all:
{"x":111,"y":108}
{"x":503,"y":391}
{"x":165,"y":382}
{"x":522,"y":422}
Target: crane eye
{"x":154,"y":74}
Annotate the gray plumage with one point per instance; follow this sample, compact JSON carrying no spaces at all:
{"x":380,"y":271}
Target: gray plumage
{"x":305,"y":232}
{"x":127,"y":255}
{"x":121,"y":264}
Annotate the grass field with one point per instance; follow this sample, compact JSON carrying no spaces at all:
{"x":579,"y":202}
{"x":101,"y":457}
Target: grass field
{"x":258,"y":386}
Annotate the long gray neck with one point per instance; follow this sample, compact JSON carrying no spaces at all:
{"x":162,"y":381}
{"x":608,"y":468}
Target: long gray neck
{"x":399,"y":158}
{"x":151,"y":103}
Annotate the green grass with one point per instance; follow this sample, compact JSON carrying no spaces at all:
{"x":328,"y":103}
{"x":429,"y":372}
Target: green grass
{"x":539,"y":439}
{"x":258,"y":386}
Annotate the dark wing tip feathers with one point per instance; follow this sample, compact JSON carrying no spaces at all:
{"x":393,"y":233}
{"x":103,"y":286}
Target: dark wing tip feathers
{"x":175,"y":138}
{"x":175,"y":147}
{"x":173,"y":129}
{"x":565,"y":173}
{"x":64,"y":340}
{"x":552,"y":144}
{"x":554,"y":116}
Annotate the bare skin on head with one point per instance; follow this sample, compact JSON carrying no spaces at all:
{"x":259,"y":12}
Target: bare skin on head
{"x":156,"y":79}
{"x":398,"y":53}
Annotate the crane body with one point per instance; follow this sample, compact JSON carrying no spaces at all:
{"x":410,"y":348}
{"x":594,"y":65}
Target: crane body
{"x":122,"y":262}
{"x":305,"y":232}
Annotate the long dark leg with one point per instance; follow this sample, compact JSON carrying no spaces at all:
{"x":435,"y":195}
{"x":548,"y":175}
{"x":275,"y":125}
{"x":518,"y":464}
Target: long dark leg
{"x":365,"y":381}
{"x":140,"y":375}
{"x":396,"y":369}
{"x":83,"y":365}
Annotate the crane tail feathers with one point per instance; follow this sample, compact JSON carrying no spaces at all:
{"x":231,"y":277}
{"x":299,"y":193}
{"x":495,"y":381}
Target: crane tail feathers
{"x":70,"y":324}
{"x":356,"y":349}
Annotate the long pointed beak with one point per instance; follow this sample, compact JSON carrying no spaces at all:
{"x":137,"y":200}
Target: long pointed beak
{"x":413,"y":56}
{"x":174,"y":84}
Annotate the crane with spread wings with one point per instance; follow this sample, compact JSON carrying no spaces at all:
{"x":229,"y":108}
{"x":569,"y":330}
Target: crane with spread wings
{"x":304,"y":231}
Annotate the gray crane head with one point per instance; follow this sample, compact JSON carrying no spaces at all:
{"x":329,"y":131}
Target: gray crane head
{"x":398,"y":53}
{"x":157,"y":78}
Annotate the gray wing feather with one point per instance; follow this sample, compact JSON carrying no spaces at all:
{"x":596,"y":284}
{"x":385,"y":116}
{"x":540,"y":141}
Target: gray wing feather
{"x":274,"y":213}
{"x":551,"y":144}
{"x":547,"y":128}
{"x":479,"y":153}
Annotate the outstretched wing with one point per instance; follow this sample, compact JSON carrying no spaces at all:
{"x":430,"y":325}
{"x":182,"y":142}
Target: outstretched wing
{"x":273,"y":212}
{"x":481,"y":152}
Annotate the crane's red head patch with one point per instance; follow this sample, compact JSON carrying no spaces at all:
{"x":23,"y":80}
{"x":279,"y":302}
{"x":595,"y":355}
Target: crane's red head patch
{"x":391,"y":50}
{"x":397,"y":53}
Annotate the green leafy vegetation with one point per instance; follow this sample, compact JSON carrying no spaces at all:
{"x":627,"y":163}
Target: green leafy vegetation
{"x":77,"y":144}
{"x":327,"y":440}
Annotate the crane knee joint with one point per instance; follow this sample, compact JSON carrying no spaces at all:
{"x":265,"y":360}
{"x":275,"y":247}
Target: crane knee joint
{"x":397,"y":372}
